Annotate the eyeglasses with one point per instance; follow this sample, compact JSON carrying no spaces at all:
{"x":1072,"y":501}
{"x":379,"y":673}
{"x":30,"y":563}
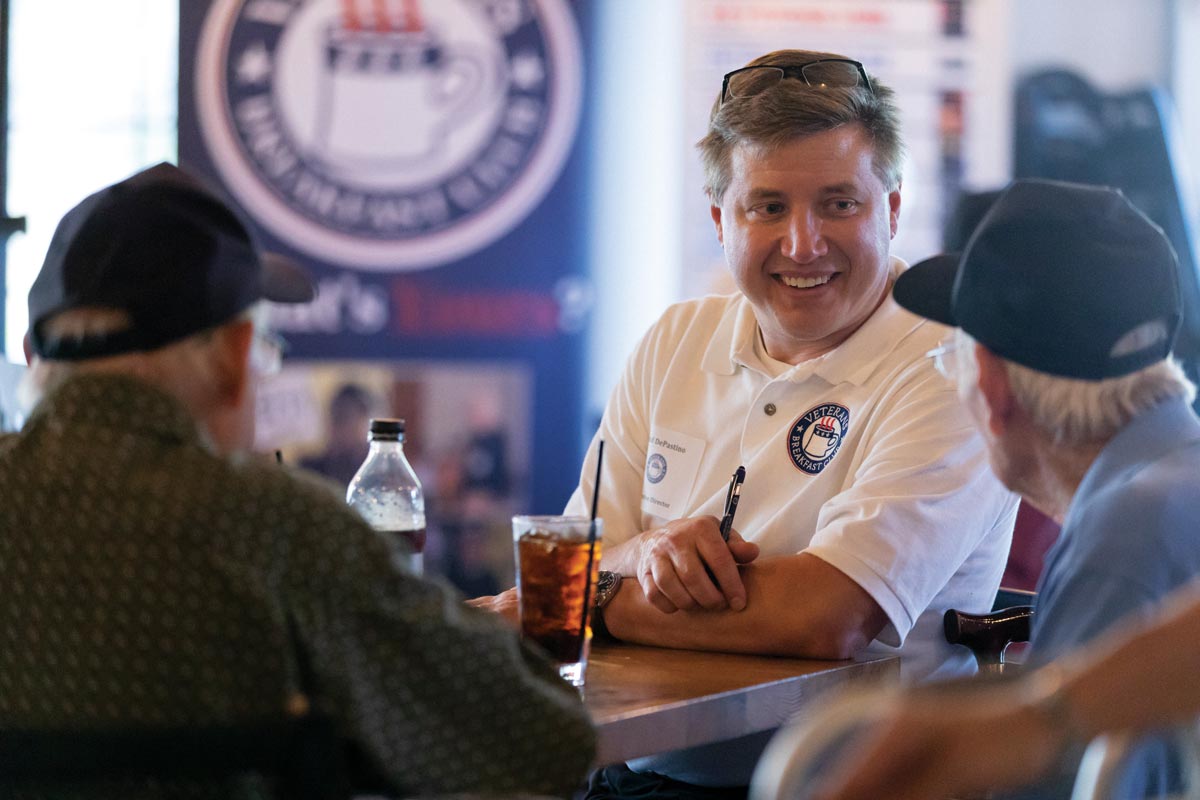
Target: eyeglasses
{"x":945,"y":358}
{"x":834,"y":73}
{"x":266,"y":352}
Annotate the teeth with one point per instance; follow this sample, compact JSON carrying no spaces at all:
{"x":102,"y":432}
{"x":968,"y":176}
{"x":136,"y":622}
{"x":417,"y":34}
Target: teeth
{"x":804,"y":283}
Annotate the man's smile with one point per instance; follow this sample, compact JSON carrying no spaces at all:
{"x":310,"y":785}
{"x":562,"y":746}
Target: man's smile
{"x":801,"y":282}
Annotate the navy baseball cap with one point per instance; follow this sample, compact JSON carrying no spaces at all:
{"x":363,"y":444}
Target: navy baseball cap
{"x":1063,"y":278}
{"x":165,"y":250}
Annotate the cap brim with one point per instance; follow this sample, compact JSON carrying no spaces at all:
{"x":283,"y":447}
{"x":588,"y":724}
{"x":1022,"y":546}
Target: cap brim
{"x":926,"y":288}
{"x":285,"y":281}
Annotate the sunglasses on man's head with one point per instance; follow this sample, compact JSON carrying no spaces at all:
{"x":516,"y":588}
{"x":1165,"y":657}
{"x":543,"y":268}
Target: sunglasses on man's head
{"x":836,"y":73}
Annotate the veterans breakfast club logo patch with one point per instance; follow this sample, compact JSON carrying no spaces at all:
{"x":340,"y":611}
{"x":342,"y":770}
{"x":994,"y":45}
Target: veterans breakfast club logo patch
{"x":656,"y":468}
{"x":816,"y":436}
{"x":389,"y":134}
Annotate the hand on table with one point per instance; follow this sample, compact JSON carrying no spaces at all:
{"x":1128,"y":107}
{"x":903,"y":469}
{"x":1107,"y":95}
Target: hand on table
{"x":503,"y":604}
{"x":686,"y":564}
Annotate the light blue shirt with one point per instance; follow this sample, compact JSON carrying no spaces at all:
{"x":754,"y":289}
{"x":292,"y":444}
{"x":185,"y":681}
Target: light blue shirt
{"x":1131,"y":536}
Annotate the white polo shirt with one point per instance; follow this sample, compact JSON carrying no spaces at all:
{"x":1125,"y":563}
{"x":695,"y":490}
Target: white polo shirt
{"x":862,"y":457}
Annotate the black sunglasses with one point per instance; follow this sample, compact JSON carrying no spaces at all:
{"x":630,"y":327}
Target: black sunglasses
{"x":839,"y":73}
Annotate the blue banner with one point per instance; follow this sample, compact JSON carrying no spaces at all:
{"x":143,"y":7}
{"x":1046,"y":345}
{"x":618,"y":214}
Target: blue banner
{"x":422,"y":158}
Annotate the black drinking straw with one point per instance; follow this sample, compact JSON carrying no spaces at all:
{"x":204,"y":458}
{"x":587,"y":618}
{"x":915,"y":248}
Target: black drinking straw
{"x":587,"y":587}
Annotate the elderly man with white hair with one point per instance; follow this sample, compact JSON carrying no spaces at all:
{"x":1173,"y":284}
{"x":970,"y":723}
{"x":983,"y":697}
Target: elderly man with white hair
{"x":156,"y":577}
{"x":1067,"y":302}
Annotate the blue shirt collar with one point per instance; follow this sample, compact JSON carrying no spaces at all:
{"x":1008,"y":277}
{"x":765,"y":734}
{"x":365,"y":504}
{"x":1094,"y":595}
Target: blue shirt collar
{"x":1147,"y":437}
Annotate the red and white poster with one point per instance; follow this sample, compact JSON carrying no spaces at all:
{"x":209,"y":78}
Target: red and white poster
{"x":947,"y":61}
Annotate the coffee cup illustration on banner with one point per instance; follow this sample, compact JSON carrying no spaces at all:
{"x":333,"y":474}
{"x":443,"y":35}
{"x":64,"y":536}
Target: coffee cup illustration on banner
{"x":390,"y":135}
{"x":436,"y":86}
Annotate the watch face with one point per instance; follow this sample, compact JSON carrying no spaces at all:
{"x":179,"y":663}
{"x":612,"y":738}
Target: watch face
{"x":606,"y":587}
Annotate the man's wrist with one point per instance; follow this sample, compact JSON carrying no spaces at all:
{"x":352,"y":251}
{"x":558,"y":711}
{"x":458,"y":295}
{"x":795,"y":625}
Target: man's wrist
{"x":607,"y":586}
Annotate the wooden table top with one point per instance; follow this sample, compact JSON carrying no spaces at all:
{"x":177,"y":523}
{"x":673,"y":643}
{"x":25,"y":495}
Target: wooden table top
{"x":647,"y":700}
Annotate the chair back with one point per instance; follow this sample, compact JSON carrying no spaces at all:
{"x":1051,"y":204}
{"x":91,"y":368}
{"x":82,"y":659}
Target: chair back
{"x":300,"y":754}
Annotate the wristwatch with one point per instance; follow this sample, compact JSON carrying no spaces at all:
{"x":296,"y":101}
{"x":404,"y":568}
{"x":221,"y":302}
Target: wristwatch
{"x":607,"y":585}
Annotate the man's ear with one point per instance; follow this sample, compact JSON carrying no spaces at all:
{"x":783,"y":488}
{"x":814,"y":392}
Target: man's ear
{"x":231,"y":354}
{"x":894,"y":210}
{"x":996,"y":391}
{"x":28,"y":348}
{"x":715,"y":211}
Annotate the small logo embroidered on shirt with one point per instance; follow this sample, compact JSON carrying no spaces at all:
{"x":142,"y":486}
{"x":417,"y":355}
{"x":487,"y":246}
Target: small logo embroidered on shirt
{"x":656,"y":468}
{"x":816,"y":436}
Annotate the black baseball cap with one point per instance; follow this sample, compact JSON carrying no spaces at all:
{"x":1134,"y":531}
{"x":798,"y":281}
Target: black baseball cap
{"x":164,"y":249}
{"x":1064,"y":278}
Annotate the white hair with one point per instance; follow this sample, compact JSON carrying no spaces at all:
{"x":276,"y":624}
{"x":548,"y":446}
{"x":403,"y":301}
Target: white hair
{"x":1072,"y":411}
{"x":183,"y":368}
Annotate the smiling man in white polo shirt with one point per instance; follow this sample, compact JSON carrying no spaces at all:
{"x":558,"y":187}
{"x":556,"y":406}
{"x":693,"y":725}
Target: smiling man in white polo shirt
{"x":868,"y":508}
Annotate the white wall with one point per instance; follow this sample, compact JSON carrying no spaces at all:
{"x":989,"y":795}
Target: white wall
{"x":1185,"y":51}
{"x":1119,"y":45}
{"x":638,"y":180}
{"x":1115,"y":44}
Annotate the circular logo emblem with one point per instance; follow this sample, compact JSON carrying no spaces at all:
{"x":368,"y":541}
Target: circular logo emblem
{"x":656,"y":468}
{"x":389,"y":134}
{"x":816,"y":436}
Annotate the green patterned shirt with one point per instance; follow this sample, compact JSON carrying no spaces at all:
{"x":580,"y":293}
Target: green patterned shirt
{"x":148,"y":581}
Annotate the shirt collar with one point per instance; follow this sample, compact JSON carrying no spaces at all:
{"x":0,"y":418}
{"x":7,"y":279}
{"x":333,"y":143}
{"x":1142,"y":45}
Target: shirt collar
{"x":1147,"y":437}
{"x":853,"y":361}
{"x":732,"y":343}
{"x":115,"y":401}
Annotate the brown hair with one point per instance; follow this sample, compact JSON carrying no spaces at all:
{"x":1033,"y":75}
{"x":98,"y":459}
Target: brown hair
{"x":792,"y":109}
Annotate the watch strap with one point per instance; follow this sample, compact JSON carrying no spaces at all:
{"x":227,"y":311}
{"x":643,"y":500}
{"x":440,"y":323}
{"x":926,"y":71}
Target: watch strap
{"x":607,"y":585}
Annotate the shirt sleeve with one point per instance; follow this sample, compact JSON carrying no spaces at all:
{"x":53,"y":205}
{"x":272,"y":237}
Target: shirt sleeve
{"x":441,"y":697}
{"x":922,"y":506}
{"x":625,"y":430}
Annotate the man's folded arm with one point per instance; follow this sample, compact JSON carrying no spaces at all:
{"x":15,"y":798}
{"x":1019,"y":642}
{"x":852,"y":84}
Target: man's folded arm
{"x":796,"y":605}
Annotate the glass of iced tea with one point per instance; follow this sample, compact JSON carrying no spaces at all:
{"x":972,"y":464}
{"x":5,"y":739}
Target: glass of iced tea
{"x":552,"y":579}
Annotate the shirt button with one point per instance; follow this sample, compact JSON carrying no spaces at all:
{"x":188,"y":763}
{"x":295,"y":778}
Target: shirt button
{"x":769,"y":409}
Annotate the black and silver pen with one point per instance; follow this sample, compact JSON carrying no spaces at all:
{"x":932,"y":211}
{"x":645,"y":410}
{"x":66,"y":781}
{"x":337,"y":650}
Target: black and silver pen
{"x":731,"y":501}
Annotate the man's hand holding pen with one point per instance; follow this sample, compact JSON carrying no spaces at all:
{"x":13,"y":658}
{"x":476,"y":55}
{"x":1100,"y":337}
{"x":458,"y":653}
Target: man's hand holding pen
{"x":731,"y":501}
{"x":693,"y":563}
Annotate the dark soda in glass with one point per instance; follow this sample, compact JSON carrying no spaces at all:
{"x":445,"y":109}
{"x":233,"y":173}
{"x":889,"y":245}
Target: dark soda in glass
{"x":551,"y":572}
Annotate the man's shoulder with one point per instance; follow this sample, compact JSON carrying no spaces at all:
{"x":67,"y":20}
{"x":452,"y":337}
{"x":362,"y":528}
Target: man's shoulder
{"x":908,"y":335}
{"x":1160,"y":491}
{"x":1131,"y":545}
{"x":902,"y":330}
{"x":711,"y":307}
{"x":295,"y":493}
{"x":697,"y":320}
{"x":1143,"y":520}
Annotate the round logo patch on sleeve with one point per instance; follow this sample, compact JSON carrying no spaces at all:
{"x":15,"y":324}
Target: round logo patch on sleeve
{"x":816,"y":436}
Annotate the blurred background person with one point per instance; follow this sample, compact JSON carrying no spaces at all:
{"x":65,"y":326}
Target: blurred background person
{"x":346,"y":445}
